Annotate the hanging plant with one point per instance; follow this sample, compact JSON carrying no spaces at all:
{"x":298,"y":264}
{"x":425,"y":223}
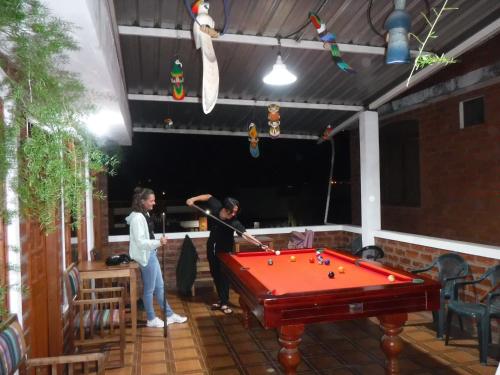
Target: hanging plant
{"x":48,"y":106}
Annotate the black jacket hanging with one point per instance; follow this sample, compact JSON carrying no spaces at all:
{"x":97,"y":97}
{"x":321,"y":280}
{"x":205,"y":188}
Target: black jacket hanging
{"x":186,"y":267}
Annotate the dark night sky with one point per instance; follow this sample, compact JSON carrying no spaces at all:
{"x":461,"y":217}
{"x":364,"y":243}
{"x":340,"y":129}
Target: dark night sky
{"x":286,"y":173}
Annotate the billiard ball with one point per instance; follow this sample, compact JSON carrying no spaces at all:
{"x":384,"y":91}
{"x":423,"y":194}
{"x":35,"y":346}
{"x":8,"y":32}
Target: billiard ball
{"x":270,"y":262}
{"x":391,"y":278}
{"x":277,"y":252}
{"x":311,"y":260}
{"x":293,"y":258}
{"x":341,"y":269}
{"x":327,"y":262}
{"x":320,"y":261}
{"x":331,"y":275}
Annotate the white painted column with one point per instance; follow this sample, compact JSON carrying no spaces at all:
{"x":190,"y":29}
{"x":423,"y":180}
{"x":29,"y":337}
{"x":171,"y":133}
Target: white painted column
{"x":13,"y":240}
{"x":89,"y":208}
{"x":370,"y":175}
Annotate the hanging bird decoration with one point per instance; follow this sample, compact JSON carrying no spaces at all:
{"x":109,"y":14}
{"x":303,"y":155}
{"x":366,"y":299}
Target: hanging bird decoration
{"x":253,"y":138}
{"x":328,"y":39}
{"x":203,"y":32}
{"x":177,"y":80}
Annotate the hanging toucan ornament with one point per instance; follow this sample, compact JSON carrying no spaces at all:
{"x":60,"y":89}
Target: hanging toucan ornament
{"x":177,"y":80}
{"x":203,"y":32}
{"x":329,"y":40}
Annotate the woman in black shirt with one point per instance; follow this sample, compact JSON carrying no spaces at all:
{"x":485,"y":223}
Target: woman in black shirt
{"x":221,"y":239}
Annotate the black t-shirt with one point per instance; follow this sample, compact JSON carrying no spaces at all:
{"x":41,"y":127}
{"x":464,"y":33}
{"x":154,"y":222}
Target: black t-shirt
{"x":220,"y":235}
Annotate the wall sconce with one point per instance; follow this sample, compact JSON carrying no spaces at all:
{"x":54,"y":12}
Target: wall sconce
{"x":398,"y":26}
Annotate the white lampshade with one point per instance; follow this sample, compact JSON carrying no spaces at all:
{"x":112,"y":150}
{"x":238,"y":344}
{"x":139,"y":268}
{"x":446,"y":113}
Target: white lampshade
{"x":280,"y":75}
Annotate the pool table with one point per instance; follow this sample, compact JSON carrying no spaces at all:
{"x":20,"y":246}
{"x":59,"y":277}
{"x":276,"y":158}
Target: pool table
{"x":296,"y":289}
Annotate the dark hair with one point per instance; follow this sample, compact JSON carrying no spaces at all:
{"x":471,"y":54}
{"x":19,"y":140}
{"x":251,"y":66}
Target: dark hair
{"x":140,"y":194}
{"x":230,"y":203}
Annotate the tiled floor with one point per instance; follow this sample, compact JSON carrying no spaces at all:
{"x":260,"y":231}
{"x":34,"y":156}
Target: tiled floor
{"x":213,"y":343}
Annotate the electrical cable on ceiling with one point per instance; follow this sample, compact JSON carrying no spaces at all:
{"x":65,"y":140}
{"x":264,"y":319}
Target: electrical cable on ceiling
{"x":319,"y":9}
{"x":369,"y":16}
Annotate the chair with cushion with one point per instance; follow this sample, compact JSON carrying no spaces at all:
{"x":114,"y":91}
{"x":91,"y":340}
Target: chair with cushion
{"x":370,"y":252}
{"x":451,"y":268}
{"x":97,"y":315}
{"x":13,"y":355}
{"x":480,"y":312}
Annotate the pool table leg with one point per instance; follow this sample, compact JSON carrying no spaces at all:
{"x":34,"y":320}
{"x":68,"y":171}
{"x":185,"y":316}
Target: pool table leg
{"x":391,"y":343}
{"x":246,"y":313}
{"x":289,"y":339}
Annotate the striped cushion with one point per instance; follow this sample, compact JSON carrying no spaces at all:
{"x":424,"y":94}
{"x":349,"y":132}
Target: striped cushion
{"x":74,"y":280}
{"x":12,"y":348}
{"x":100,"y":318}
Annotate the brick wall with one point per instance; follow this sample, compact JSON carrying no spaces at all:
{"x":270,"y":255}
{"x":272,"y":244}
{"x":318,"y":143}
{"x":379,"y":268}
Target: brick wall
{"x":459,"y":168}
{"x":339,"y":239}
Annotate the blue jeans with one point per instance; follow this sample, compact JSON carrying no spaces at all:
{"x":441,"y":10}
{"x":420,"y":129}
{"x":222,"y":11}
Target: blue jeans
{"x":153,"y":284}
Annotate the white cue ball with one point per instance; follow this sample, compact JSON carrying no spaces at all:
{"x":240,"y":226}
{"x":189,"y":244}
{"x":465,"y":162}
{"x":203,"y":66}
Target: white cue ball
{"x":277,"y":252}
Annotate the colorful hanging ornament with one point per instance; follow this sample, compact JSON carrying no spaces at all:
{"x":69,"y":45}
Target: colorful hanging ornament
{"x":328,"y":39}
{"x":253,"y":138}
{"x":203,"y":31}
{"x":168,"y":122}
{"x":326,"y":132}
{"x":273,"y":118}
{"x":177,"y":80}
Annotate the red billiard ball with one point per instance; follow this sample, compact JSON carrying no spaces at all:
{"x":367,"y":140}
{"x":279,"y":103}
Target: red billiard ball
{"x":311,"y":260}
{"x":331,"y":275}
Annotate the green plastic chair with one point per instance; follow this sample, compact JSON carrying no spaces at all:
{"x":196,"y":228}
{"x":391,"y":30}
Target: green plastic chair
{"x":451,"y":268}
{"x":480,"y":312}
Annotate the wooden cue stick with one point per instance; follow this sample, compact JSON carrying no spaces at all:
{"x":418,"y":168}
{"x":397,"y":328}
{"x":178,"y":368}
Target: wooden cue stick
{"x":259,"y":244}
{"x":165,"y":247}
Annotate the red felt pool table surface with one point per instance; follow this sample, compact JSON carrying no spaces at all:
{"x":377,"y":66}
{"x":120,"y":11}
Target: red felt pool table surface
{"x":300,"y":276}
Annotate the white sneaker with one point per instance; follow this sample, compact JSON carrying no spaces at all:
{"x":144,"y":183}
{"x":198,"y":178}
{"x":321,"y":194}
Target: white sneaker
{"x":155,"y":323}
{"x":176,"y":318}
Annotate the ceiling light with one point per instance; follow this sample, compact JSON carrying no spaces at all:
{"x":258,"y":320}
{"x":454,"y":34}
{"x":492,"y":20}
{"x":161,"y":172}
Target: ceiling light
{"x":280,"y":75}
{"x":398,"y":25}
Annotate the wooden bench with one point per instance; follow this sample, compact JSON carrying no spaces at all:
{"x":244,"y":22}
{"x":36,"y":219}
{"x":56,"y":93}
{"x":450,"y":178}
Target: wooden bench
{"x":203,"y":275}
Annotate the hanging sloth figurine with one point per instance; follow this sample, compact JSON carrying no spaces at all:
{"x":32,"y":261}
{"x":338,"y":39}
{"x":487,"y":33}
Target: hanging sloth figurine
{"x":273,"y":118}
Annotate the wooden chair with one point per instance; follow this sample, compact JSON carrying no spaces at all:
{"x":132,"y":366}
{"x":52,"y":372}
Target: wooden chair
{"x":97,"y":316}
{"x":13,"y":355}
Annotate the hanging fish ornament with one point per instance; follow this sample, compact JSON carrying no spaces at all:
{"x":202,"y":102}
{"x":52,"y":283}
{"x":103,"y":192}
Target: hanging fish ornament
{"x":177,"y":80}
{"x":329,"y":39}
{"x":203,"y":31}
{"x":253,"y":138}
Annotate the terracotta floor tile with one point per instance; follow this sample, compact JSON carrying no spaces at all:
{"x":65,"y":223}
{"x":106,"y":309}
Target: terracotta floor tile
{"x":245,"y":346}
{"x":324,"y":362}
{"x":261,"y":370}
{"x":119,"y":371}
{"x":252,"y":358}
{"x":183,"y":343}
{"x":152,"y":357}
{"x":220,"y":361}
{"x":216,"y":350}
{"x":211,"y":340}
{"x":229,"y":371}
{"x":153,"y":369}
{"x":187,"y":353}
{"x":188,"y":365}
{"x":208,"y":331}
{"x":151,"y":346}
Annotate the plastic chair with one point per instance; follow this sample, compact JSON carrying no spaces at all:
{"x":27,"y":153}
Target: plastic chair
{"x":451,"y":267}
{"x":370,"y":252}
{"x":480,"y":312}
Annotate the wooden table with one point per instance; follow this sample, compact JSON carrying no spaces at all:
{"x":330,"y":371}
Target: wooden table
{"x":91,"y":270}
{"x":241,"y":244}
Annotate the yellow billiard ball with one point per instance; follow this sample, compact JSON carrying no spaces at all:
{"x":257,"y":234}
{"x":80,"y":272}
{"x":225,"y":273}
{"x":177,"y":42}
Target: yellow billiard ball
{"x":341,"y":269}
{"x":293,"y":258}
{"x":391,"y":278}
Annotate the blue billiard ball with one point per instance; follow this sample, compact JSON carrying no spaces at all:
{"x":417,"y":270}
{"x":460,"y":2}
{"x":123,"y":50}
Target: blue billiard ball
{"x":327,"y":262}
{"x":331,"y":275}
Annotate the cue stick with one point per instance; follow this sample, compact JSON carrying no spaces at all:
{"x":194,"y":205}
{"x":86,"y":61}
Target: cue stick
{"x":259,"y":244}
{"x":164,"y":283}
